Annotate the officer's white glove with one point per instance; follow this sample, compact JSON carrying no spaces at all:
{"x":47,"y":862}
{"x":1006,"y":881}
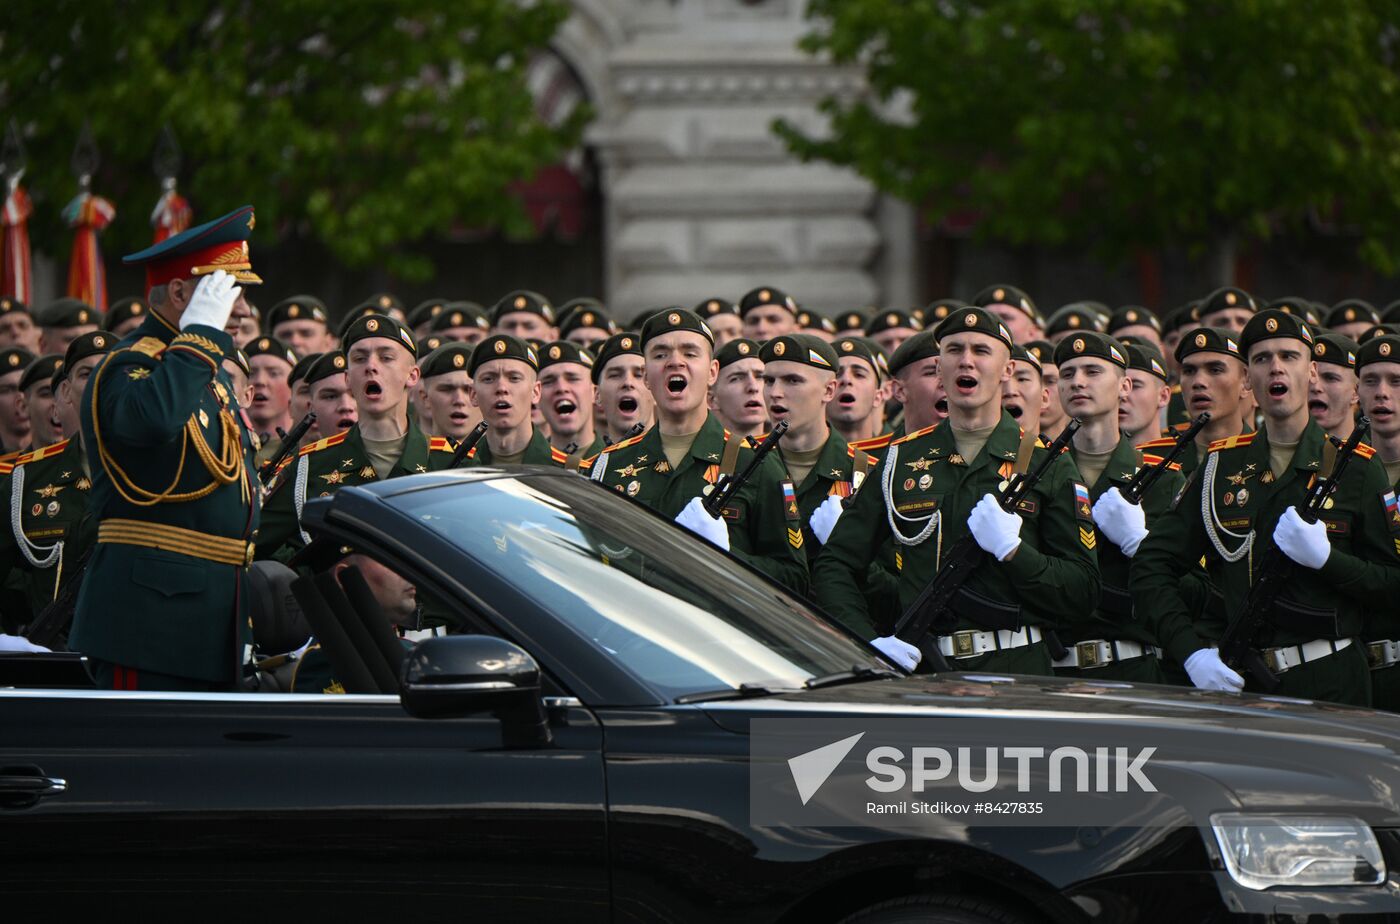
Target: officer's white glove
{"x":996,"y":531}
{"x":1306,"y":543}
{"x":824,"y":518}
{"x":212,"y":302}
{"x":1123,"y":523}
{"x":899,"y":651}
{"x":19,"y":643}
{"x":695,"y":519}
{"x":1208,"y":672}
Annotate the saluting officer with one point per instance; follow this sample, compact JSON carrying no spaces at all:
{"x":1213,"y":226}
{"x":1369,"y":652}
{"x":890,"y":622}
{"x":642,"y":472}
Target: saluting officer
{"x":172,"y":477}
{"x":1249,"y":487}
{"x":935,"y":486}
{"x":674,"y":464}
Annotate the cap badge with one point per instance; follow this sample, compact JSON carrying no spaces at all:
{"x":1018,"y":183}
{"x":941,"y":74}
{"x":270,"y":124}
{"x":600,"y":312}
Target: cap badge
{"x":1078,"y":345}
{"x":779,"y":348}
{"x":673,"y":318}
{"x":459,"y":360}
{"x":1073,"y":320}
{"x":520,"y":301}
{"x":1230,"y":298}
{"x":14,"y":359}
{"x":1271,"y":325}
{"x":847,"y":346}
{"x":627,"y":343}
{"x":456,"y":319}
{"x":99,"y":341}
{"x":1385,"y":349}
{"x":293,"y":311}
{"x":743,"y":349}
{"x":970,"y":319}
{"x":338,"y":362}
{"x":500,"y":346}
{"x":371,"y":325}
{"x":554,"y":352}
{"x":999,"y":294}
{"x":891,"y":319}
{"x":1320,"y":349}
{"x":385,"y":301}
{"x":1132,"y":316}
{"x":764,"y":295}
{"x":1200,"y":340}
{"x":586,"y":320}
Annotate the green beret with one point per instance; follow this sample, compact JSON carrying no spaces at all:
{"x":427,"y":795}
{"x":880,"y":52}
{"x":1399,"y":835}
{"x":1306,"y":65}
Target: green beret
{"x":1209,"y":340}
{"x":1350,"y":311}
{"x":522,"y":300}
{"x":1225,"y":298}
{"x":502,"y":346}
{"x":299,"y":370}
{"x":889,"y":320}
{"x":67,"y":312}
{"x":13,"y":359}
{"x":1073,"y":318}
{"x":431,"y":342}
{"x":713,"y":306}
{"x":270,"y":346}
{"x":9,"y":304}
{"x":615,"y":346}
{"x":1131,"y":316}
{"x":1042,"y":350}
{"x":1299,"y":306}
{"x":974,"y":320}
{"x":1379,"y":350}
{"x":800,"y":348}
{"x":1271,"y":323}
{"x":935,"y":312}
{"x":1146,"y":359}
{"x":766,"y":295}
{"x":425,"y":311}
{"x":363,"y":310}
{"x":1021,"y":354}
{"x":1002,"y":294}
{"x":460,"y":314}
{"x":325,"y":366}
{"x":1378,"y":330}
{"x":565,"y":351}
{"x":667,"y":320}
{"x":1099,"y":310}
{"x":1337,"y":349}
{"x":810,"y":320}
{"x":96,"y":343}
{"x":585,"y":316}
{"x":378,"y":325}
{"x":735,"y":350}
{"x":41,"y":370}
{"x":453,"y":356}
{"x":123,"y":311}
{"x":1179,"y":317}
{"x":852,"y":321}
{"x":383,"y":302}
{"x":296,"y":308}
{"x":865,"y":349}
{"x":1091,"y":343}
{"x":920,"y":346}
{"x":1391,"y":314}
{"x":240,"y":359}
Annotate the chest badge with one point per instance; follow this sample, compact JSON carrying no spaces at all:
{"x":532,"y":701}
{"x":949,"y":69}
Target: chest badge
{"x":920,"y":465}
{"x":909,"y":484}
{"x":333,"y":477}
{"x":203,"y":417}
{"x":633,"y":487}
{"x":925,"y":481}
{"x":50,"y":490}
{"x":1242,"y":497}
{"x":52,"y":509}
{"x":1267,"y":478}
{"x":627,"y":471}
{"x":84,"y":484}
{"x":367,"y":473}
{"x":662,"y":468}
{"x":956,"y":459}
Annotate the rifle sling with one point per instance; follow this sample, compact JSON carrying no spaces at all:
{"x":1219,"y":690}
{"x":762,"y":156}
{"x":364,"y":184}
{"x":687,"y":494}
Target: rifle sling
{"x":1024,"y":452}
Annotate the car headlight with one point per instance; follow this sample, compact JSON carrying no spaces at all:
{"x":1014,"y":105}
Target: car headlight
{"x":1298,"y":851}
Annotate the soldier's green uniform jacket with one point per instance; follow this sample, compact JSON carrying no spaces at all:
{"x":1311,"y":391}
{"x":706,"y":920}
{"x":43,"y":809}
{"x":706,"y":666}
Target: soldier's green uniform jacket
{"x":1114,"y":618}
{"x":1052,"y":576}
{"x":49,"y":528}
{"x":764,"y":529}
{"x":1188,"y":460}
{"x":327,"y":465}
{"x":1363,"y":567}
{"x":174,"y":494}
{"x":1176,"y":409}
{"x":537,"y":452}
{"x":832,"y":474}
{"x":1383,"y":626}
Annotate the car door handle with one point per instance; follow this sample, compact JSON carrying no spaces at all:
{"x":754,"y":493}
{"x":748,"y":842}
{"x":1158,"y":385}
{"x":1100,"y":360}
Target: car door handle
{"x":22,"y":790}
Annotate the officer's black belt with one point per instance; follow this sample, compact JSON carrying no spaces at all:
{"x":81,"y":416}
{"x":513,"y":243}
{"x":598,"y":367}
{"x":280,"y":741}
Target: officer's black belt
{"x":221,"y":549}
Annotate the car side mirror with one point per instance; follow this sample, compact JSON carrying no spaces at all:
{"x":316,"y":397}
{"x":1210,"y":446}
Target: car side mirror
{"x":461,"y":675}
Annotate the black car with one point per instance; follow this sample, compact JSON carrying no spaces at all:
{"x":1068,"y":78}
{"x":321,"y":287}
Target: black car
{"x":579,"y":749}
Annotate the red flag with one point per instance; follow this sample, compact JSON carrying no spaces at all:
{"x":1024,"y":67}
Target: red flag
{"x":15,"y":277}
{"x":172,"y":215}
{"x":87,"y":280}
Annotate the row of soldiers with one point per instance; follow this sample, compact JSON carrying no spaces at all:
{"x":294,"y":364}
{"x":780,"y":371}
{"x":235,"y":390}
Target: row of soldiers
{"x":899,"y":437}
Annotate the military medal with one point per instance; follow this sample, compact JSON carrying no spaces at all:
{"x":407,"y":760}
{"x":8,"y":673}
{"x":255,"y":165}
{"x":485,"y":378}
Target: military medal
{"x":909,"y":484}
{"x":1229,"y":498}
{"x":53,"y":509}
{"x":1242,"y":497}
{"x":925,"y":481}
{"x":633,"y":487}
{"x":36,"y":510}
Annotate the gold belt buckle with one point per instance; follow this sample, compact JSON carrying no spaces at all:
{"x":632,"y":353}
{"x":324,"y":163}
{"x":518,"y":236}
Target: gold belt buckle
{"x":1271,"y":660}
{"x":1375,"y":654}
{"x":1088,"y":654}
{"x":963,"y":643}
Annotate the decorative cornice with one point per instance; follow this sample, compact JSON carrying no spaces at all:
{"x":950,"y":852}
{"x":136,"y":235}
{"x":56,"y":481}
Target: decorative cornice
{"x":753,"y":82}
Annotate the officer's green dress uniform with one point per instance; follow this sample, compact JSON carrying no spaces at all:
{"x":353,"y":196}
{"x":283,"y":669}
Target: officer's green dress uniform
{"x":929,"y":489}
{"x":1243,"y":501}
{"x":1382,"y":630}
{"x":161,"y":606}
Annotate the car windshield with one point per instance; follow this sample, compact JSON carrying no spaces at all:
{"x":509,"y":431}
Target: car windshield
{"x":675,"y":611}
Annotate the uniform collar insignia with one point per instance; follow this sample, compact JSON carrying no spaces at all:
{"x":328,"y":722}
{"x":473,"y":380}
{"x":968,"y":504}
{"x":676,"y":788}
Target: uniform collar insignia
{"x":346,"y":463}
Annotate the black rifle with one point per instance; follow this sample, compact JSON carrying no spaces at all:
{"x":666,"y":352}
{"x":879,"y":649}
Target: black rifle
{"x":728,"y":485}
{"x":1147,"y":476}
{"x":934,"y":601}
{"x":1237,"y":644}
{"x":468,"y":444}
{"x":286,"y":448}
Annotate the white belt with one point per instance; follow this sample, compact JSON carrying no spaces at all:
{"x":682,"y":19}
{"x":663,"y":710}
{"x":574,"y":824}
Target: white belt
{"x":1279,"y":660}
{"x":970,"y":643}
{"x":1382,"y":653}
{"x":1097,"y":652}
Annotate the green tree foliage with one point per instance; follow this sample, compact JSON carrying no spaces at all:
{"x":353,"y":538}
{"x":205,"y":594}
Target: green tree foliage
{"x":1119,"y":124}
{"x":369,"y":126}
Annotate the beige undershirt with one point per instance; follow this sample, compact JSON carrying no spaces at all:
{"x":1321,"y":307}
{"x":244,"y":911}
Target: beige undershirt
{"x":1091,"y":464}
{"x":384,"y":454}
{"x":970,"y":442}
{"x":1280,"y":454}
{"x":677,"y":447}
{"x":800,"y":464}
{"x":1392,"y":471}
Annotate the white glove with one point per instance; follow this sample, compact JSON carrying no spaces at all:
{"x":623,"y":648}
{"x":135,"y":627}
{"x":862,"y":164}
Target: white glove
{"x":1123,"y":523}
{"x":899,"y":651}
{"x":695,"y":519}
{"x":996,"y":531}
{"x":1208,"y":672}
{"x":824,"y":518}
{"x":19,"y":643}
{"x":1305,"y":543}
{"x":212,"y":302}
